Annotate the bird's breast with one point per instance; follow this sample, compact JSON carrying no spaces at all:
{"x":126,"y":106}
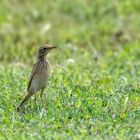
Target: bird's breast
{"x":43,"y":73}
{"x":40,"y":78}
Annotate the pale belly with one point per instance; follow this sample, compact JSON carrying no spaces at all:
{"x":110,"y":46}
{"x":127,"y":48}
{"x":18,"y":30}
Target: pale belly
{"x":39,"y":81}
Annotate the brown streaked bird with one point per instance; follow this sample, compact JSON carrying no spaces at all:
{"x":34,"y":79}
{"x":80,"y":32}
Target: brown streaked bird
{"x":39,"y":76}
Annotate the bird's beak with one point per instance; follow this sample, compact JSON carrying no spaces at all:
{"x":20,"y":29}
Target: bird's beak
{"x":52,"y":47}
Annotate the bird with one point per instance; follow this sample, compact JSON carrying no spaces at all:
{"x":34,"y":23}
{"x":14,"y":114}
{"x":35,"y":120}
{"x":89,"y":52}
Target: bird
{"x":39,"y":77}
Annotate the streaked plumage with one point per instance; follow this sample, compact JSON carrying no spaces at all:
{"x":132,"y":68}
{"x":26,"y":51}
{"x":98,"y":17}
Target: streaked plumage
{"x":39,"y":76}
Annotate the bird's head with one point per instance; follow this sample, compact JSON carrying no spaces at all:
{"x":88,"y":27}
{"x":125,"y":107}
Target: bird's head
{"x":44,"y":50}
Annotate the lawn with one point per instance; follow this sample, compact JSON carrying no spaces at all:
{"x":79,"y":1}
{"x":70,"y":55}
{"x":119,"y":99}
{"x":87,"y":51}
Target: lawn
{"x":94,"y":88}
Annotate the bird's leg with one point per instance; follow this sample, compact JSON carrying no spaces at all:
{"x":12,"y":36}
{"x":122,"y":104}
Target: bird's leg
{"x":21,"y":106}
{"x":42,"y":99}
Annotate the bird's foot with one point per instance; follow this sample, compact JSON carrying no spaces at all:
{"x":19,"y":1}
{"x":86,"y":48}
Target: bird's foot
{"x":44,"y":110}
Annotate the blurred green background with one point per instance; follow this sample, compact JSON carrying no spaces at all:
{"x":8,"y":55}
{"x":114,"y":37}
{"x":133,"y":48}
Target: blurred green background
{"x":93,"y":91}
{"x":81,"y":27}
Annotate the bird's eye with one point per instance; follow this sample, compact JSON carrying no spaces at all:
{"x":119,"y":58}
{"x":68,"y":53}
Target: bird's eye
{"x":44,"y":48}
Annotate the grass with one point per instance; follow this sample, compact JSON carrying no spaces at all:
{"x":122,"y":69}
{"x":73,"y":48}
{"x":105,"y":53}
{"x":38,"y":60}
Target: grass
{"x":93,"y":90}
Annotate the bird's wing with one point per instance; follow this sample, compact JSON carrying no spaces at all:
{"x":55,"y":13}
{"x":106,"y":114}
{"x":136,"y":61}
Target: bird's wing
{"x":32,"y":75}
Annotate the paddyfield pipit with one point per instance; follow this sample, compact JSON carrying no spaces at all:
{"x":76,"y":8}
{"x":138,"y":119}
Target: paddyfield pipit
{"x":39,"y":76}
